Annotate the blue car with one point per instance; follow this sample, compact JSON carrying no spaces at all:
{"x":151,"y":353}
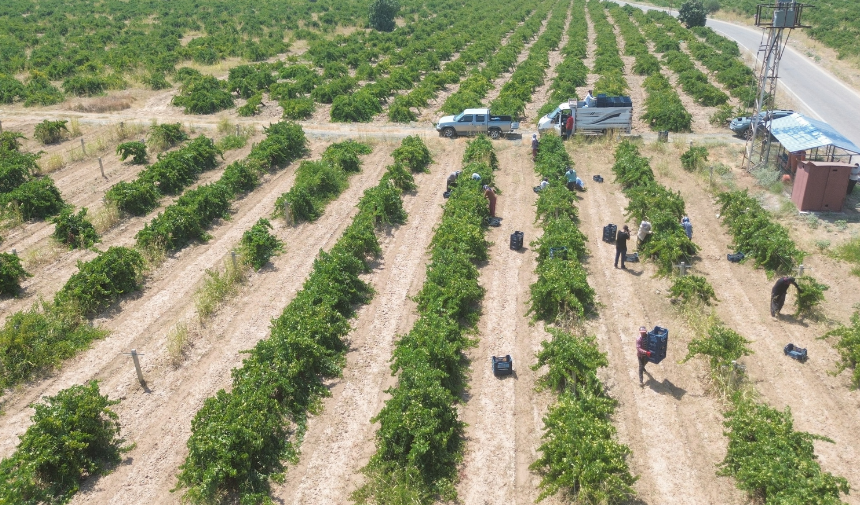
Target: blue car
{"x":742,"y":126}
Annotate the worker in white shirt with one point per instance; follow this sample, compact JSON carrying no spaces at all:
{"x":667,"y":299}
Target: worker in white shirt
{"x":644,"y":231}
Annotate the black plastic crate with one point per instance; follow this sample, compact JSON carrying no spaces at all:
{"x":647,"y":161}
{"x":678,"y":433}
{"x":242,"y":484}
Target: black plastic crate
{"x":658,"y":338}
{"x":503,"y":365}
{"x":609,"y":232}
{"x":517,"y":240}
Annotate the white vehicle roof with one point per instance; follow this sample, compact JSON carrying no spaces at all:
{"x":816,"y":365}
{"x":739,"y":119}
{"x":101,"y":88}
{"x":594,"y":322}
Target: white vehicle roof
{"x":476,"y":111}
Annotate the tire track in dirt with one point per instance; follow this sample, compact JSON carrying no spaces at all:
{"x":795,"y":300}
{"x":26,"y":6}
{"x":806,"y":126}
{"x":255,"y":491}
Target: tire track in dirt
{"x":672,"y":428}
{"x":826,"y":405}
{"x":341,"y":440}
{"x":504,"y":415}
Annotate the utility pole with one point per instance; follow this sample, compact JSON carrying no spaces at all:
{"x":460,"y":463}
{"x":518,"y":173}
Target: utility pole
{"x":776,"y":19}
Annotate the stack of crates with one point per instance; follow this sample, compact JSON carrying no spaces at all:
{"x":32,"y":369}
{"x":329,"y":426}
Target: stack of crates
{"x":609,"y":232}
{"x":657,"y":340}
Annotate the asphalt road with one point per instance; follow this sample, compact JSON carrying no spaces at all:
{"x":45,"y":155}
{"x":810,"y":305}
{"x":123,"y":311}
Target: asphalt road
{"x":820,"y":93}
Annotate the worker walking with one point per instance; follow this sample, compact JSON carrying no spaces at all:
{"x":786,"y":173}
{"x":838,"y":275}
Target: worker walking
{"x":534,"y":146}
{"x":688,"y":227}
{"x":777,"y":294}
{"x":621,"y":245}
{"x":490,"y":195}
{"x":642,"y":352}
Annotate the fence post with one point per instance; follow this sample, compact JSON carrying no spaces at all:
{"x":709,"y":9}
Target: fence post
{"x":134,"y":356}
{"x":237,"y":130}
{"x":233,"y":258}
{"x":1,"y":126}
{"x":83,"y":149}
{"x":101,"y":167}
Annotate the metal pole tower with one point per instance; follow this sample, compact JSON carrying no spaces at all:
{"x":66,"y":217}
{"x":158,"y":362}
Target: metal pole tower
{"x":775,"y":19}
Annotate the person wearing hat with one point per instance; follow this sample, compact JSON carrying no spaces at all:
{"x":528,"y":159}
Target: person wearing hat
{"x":570,"y":175}
{"x":490,"y":195}
{"x":476,"y":176}
{"x":534,"y":146}
{"x":544,"y":184}
{"x":452,"y":181}
{"x":641,"y":352}
{"x":688,"y":227}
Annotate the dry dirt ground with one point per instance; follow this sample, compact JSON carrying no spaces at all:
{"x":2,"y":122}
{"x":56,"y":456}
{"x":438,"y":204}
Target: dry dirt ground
{"x":672,"y":425}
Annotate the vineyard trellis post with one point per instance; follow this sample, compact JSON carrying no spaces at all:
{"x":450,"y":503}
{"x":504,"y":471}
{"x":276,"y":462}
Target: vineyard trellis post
{"x":136,"y":361}
{"x":774,"y":18}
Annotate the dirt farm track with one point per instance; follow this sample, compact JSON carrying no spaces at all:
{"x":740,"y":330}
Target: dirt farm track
{"x":673,"y":425}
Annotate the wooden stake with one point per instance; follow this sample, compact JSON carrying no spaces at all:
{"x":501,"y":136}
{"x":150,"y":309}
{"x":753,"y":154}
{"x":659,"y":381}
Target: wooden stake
{"x":83,"y":149}
{"x":137,"y":369}
{"x":101,"y":167}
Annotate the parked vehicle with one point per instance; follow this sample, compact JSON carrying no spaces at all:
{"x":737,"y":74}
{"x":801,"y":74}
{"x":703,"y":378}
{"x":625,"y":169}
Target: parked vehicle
{"x":474,"y":122}
{"x":742,"y":126}
{"x":606,"y":113}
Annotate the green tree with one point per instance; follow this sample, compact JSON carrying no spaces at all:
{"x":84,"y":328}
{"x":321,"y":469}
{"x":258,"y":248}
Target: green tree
{"x":692,"y":13}
{"x":382,"y":14}
{"x":136,"y":150}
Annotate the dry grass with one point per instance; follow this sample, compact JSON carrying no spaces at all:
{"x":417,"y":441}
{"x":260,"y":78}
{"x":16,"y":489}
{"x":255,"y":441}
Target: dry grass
{"x":74,"y":128}
{"x":42,"y":254}
{"x":105,"y":219}
{"x":103,"y":104}
{"x":178,"y":343}
{"x":50,"y":164}
{"x":218,"y":286}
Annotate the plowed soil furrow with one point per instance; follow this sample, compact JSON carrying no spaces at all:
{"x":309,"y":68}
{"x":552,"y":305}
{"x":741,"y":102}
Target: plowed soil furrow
{"x":162,"y":434}
{"x":504,"y":415}
{"x":167,"y":298}
{"x":826,"y":406}
{"x":29,"y":239}
{"x":340,"y":441}
{"x":672,"y":428}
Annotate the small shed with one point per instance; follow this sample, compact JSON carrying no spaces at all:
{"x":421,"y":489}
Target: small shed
{"x":820,"y":185}
{"x":801,"y":137}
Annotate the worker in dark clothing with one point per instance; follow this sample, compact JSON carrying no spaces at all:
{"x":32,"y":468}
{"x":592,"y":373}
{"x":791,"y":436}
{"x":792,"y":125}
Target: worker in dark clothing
{"x":777,"y":294}
{"x":642,"y":352}
{"x":535,"y":144}
{"x":490,"y":195}
{"x":562,"y":123}
{"x":621,"y":245}
{"x":569,"y":126}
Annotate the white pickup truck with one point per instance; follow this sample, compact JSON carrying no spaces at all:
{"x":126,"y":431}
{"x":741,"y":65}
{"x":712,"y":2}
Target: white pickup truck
{"x":474,"y":122}
{"x":604,"y":113}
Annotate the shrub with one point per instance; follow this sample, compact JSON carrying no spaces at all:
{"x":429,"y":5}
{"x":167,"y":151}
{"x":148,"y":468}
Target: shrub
{"x":722,"y":346}
{"x":252,"y":106}
{"x":692,"y":13}
{"x":187,"y":219}
{"x":239,"y":176}
{"x":40,"y":91}
{"x":136,"y":150}
{"x":203,"y":95}
{"x":561,"y":291}
{"x":102,"y":281}
{"x":382,"y":13}
{"x":810,"y":294}
{"x":10,"y":89}
{"x":848,"y":347}
{"x":772,"y":461}
{"x":164,"y":136}
{"x":257,"y":245}
{"x":156,"y":81}
{"x":81,"y":85}
{"x":284,"y":143}
{"x":11,"y":274}
{"x":35,"y":199}
{"x":358,"y":107}
{"x":413,"y":153}
{"x":75,"y":435}
{"x":51,"y":132}
{"x":400,"y":177}
{"x":74,"y":230}
{"x":298,"y":108}
{"x":692,"y":289}
{"x":137,"y":197}
{"x":694,"y":158}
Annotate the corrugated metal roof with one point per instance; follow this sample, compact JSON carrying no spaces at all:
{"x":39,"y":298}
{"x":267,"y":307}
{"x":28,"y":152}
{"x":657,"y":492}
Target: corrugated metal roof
{"x":798,"y":132}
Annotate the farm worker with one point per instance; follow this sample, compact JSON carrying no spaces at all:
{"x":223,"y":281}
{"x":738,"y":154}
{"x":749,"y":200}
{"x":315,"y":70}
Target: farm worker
{"x":569,"y":126}
{"x":562,"y":123}
{"x":688,"y":227}
{"x":452,"y":180}
{"x":580,"y":185}
{"x":476,"y":176}
{"x":570,"y":175}
{"x":491,"y":196}
{"x":777,"y":294}
{"x":544,"y":184}
{"x":644,"y":231}
{"x":534,"y":146}
{"x":621,"y":245}
{"x":641,"y":352}
{"x":855,"y":176}
{"x":589,"y":99}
